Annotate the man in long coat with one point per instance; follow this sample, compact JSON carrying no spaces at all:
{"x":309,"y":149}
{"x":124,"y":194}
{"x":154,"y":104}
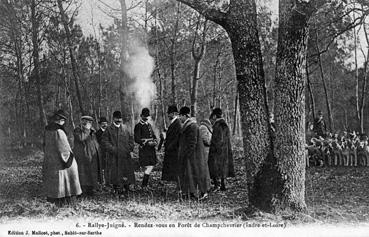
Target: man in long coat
{"x":60,"y":170}
{"x":194,"y":172}
{"x":118,"y":142}
{"x":103,"y":124}
{"x":220,"y":154}
{"x":319,"y":125}
{"x":206,"y":131}
{"x":146,"y":139}
{"x":88,"y":155}
{"x":171,"y":145}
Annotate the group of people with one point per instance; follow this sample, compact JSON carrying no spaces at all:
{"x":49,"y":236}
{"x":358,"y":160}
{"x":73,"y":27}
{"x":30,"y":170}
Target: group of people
{"x":327,"y":149}
{"x":194,"y":155}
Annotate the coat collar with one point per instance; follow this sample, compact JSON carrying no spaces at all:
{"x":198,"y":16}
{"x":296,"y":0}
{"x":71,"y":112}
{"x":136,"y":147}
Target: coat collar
{"x":173,"y":120}
{"x":188,"y":122}
{"x":219,"y":120}
{"x":144,"y":122}
{"x":207,"y":124}
{"x":113,"y":127}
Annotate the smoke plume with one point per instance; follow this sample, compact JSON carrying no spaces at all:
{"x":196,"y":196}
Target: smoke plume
{"x":139,"y":68}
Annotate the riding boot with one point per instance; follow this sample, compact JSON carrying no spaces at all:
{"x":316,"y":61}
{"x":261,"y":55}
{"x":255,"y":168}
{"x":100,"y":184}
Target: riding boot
{"x":222,"y":185}
{"x":145,"y":180}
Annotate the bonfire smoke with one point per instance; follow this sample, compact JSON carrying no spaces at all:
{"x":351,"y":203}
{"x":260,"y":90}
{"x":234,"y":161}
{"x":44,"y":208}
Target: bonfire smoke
{"x":139,"y":68}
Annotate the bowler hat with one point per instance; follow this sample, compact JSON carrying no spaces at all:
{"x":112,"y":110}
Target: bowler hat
{"x":60,"y":113}
{"x":184,"y":110}
{"x":103,"y":120}
{"x":145,"y":112}
{"x":172,"y":109}
{"x":217,"y":111}
{"x":117,"y":114}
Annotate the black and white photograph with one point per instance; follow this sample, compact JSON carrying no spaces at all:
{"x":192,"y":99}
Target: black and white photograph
{"x":184,"y":118}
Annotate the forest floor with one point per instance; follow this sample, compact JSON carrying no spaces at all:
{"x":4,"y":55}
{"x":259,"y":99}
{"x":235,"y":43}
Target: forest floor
{"x":338,"y":195}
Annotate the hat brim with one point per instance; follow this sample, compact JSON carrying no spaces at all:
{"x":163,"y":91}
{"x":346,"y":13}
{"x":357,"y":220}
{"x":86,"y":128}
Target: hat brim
{"x":88,"y":118}
{"x":59,"y":116}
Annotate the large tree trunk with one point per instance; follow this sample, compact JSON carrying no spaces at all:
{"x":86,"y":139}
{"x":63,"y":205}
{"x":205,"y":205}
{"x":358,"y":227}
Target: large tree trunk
{"x":240,"y":22}
{"x":242,"y":30}
{"x":288,"y":186}
{"x":71,"y":55}
{"x":274,"y":181}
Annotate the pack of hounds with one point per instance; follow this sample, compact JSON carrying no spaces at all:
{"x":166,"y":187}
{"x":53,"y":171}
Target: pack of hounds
{"x":347,"y":149}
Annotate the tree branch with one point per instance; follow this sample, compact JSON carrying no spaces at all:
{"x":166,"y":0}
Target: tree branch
{"x":206,"y":10}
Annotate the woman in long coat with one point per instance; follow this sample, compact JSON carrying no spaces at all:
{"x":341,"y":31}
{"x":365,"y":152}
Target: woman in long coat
{"x":194,"y":172}
{"x":87,"y":152}
{"x":60,"y":171}
{"x":118,"y":142}
{"x":220,"y":153}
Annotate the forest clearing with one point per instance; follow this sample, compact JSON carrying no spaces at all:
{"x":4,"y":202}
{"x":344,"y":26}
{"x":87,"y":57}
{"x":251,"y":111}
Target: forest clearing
{"x":334,"y":195}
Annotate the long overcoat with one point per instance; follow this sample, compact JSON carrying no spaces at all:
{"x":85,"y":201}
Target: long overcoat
{"x":103,"y":157}
{"x":59,"y":181}
{"x":88,"y":155}
{"x":171,"y":145}
{"x":193,"y":172}
{"x":118,"y":143}
{"x":220,"y":153}
{"x":206,"y":132}
{"x":146,"y":153}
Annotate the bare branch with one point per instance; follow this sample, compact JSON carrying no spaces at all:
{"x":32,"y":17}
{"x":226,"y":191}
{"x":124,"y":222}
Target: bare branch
{"x":133,"y":6}
{"x":206,"y":10}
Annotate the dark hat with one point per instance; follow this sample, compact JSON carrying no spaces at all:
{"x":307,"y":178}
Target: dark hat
{"x":145,"y":112}
{"x":103,"y":120}
{"x":87,"y":117}
{"x":217,"y":111}
{"x":60,"y":113}
{"x":184,"y":110}
{"x":117,"y":114}
{"x":172,"y":109}
{"x":320,"y":112}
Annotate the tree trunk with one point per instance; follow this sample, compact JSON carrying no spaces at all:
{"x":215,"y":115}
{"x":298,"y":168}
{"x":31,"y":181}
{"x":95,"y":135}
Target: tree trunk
{"x":125,"y":98}
{"x":242,"y":29}
{"x":235,"y":113}
{"x":327,"y":101}
{"x":36,"y":62}
{"x":357,"y":106}
{"x":288,"y":186}
{"x":363,"y":93}
{"x":197,"y":54}
{"x":71,"y":55}
{"x":172,"y":56}
{"x":273,"y":182}
{"x":240,"y":22}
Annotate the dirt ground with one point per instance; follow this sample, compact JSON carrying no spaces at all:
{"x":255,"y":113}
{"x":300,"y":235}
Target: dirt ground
{"x":333,"y":195}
